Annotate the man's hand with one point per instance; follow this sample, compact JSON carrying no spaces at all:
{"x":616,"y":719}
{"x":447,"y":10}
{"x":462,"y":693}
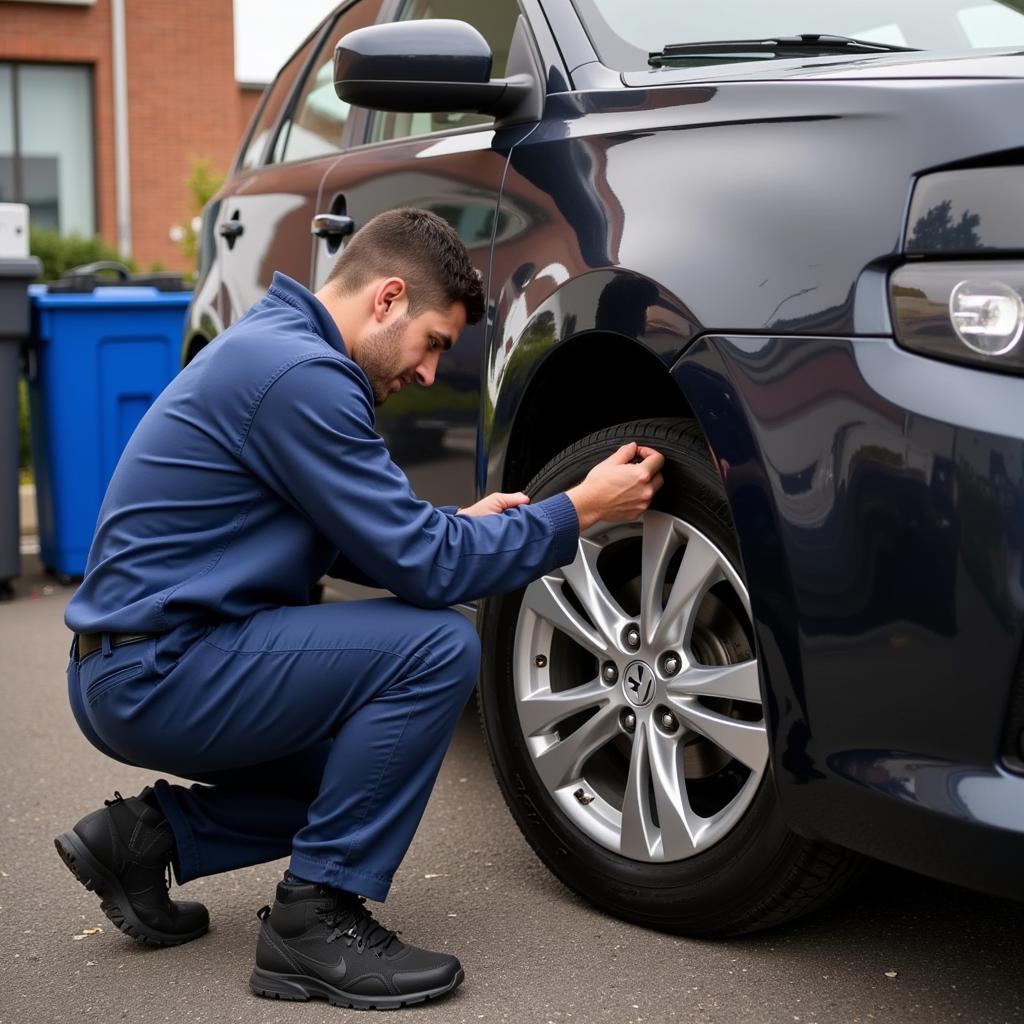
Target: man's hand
{"x":619,"y":489}
{"x":494,"y":503}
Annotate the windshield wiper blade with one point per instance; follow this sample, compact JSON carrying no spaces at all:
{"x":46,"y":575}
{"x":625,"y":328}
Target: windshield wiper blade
{"x":807,"y":41}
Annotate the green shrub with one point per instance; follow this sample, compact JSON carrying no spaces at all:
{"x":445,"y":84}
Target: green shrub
{"x":203,"y":183}
{"x":25,"y":452}
{"x":62,"y":252}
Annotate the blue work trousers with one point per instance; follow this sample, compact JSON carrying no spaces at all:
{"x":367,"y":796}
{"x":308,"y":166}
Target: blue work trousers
{"x":316,"y":730}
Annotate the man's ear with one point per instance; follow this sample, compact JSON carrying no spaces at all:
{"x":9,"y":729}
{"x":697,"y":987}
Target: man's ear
{"x":390,"y":298}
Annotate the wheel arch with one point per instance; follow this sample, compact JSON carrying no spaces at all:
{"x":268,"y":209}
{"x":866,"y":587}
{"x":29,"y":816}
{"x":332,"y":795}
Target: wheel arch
{"x":606,"y":341}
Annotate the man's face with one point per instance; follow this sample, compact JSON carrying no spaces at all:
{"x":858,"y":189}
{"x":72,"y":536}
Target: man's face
{"x":408,"y":349}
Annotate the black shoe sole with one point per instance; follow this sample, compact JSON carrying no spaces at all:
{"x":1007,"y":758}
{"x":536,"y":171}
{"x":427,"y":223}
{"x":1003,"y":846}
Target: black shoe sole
{"x":114,"y":900}
{"x":301,"y":987}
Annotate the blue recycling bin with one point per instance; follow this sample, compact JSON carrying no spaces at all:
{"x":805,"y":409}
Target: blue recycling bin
{"x":96,"y":362}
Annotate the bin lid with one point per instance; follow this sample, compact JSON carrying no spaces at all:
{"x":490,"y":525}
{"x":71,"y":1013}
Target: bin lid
{"x":20,"y":267}
{"x":97,"y":276}
{"x":43,"y":297}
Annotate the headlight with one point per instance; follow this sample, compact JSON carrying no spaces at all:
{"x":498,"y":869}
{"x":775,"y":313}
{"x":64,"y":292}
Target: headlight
{"x":969,"y":312}
{"x":987,"y":316}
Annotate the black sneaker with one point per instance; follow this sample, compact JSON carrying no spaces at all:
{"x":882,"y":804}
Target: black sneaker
{"x":320,"y":943}
{"x":122,"y":852}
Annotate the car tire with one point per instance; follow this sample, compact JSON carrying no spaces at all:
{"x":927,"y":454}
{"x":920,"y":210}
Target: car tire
{"x":750,"y":871}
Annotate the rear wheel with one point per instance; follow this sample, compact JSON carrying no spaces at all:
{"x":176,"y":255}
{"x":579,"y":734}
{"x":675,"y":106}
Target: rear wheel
{"x":622,"y":705}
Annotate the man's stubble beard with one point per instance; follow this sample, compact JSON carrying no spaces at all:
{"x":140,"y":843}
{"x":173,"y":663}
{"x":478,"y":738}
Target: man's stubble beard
{"x":381,"y":359}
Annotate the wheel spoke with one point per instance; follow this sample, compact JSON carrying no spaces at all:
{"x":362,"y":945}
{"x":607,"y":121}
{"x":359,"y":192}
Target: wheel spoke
{"x":583,"y":577}
{"x":735,"y":682}
{"x":544,"y":597}
{"x":659,"y":541}
{"x":542,"y":711}
{"x":698,"y":570}
{"x":680,"y":827}
{"x":746,"y":741}
{"x":638,"y":834}
{"x":561,"y":762}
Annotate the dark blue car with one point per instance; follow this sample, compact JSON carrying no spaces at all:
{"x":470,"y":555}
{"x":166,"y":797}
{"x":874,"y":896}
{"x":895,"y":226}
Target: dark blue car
{"x":783,"y":244}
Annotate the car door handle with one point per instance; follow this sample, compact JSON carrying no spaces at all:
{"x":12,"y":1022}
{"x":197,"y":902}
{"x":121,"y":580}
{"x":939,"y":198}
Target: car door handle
{"x":332,"y":225}
{"x":230,"y":229}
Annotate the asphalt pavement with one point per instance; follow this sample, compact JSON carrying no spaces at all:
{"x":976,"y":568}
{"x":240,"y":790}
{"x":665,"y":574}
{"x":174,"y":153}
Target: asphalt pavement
{"x":898,"y":948}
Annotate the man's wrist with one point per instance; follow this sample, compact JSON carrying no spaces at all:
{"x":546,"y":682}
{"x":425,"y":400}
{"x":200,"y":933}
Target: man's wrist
{"x":585,"y":512}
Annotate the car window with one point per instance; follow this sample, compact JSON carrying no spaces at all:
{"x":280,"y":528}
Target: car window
{"x":274,"y":99}
{"x":495,"y":20}
{"x":318,"y":118}
{"x":626,"y":33}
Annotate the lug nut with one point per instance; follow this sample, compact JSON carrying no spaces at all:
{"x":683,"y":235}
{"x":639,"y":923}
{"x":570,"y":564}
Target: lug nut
{"x":629,"y":721}
{"x":670,"y":664}
{"x":540,"y":661}
{"x":668,"y":722}
{"x":631,"y":635}
{"x":609,"y":673}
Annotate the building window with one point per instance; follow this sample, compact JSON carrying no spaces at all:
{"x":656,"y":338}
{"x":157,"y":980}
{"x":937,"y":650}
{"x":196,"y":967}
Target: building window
{"x":46,"y":144}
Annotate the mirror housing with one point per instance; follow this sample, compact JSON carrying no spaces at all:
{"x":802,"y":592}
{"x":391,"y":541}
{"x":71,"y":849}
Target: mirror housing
{"x":434,"y":65}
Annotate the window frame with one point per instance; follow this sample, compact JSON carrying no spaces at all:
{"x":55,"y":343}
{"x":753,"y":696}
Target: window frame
{"x":286,"y":106}
{"x":90,"y":68}
{"x":385,"y":14}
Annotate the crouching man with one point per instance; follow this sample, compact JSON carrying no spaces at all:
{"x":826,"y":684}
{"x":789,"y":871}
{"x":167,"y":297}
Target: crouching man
{"x":313,"y":731}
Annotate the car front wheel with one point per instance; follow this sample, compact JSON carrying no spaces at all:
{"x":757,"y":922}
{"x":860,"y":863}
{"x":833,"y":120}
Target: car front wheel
{"x":622,"y":704}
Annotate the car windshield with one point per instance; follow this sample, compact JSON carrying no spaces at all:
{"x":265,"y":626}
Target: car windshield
{"x":625,"y":33}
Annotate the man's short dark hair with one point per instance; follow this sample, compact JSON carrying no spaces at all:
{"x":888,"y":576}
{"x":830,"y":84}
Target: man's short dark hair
{"x":423,"y":250}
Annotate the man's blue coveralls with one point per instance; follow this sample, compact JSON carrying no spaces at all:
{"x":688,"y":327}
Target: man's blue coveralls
{"x":317,"y":729}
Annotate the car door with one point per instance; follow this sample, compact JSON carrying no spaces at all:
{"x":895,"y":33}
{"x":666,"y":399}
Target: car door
{"x":453,"y":165}
{"x":264,"y":224}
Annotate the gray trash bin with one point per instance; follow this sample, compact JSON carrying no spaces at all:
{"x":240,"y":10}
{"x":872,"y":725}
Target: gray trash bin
{"x":15,"y":276}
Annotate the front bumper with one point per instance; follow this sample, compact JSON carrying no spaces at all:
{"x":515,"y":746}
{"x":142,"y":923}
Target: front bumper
{"x":878,"y":497}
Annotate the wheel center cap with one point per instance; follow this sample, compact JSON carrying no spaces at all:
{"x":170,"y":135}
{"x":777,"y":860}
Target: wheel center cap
{"x":638,"y":683}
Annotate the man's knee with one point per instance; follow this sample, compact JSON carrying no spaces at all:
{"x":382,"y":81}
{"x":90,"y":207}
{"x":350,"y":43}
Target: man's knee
{"x":458,"y":643}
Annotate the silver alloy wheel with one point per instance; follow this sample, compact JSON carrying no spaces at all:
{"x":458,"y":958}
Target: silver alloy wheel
{"x":656,"y":765}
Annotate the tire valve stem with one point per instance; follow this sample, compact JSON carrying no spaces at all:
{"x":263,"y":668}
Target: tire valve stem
{"x":540,"y":661}
{"x":583,"y":797}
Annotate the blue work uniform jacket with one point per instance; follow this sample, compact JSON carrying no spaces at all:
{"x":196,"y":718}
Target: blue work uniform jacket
{"x":258,"y":470}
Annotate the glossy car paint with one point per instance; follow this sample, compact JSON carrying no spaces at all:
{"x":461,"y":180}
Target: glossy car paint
{"x":778,"y":209}
{"x":878,"y":497}
{"x":719,"y":245}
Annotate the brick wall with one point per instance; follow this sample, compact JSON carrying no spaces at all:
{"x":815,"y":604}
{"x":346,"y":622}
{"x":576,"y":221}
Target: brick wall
{"x":183,"y":101}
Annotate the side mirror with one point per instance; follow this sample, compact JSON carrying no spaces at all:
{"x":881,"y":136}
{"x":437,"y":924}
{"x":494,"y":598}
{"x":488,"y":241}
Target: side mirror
{"x":432,"y":66}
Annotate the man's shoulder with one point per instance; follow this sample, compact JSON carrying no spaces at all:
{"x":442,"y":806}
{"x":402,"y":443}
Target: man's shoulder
{"x":274,"y":327}
{"x":268,"y":340}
